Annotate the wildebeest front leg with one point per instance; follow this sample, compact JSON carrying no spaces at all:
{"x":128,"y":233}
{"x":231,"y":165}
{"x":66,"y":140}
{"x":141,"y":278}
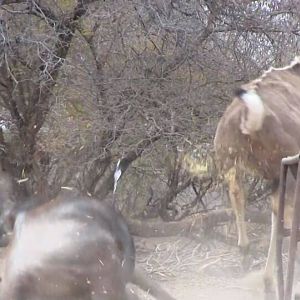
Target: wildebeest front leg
{"x":237,"y":198}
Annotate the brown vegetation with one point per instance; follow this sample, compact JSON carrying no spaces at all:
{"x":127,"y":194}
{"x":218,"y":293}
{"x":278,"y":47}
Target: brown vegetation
{"x":85,"y":83}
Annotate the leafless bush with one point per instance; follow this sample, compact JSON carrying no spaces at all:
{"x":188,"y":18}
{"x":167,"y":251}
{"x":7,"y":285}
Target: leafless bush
{"x":86,"y":83}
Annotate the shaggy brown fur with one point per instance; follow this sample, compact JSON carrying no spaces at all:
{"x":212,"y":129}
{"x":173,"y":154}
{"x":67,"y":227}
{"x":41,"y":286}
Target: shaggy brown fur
{"x":258,"y":129}
{"x":279,"y":136}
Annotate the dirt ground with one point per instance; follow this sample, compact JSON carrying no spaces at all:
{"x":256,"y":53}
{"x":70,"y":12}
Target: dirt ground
{"x":191,"y":269}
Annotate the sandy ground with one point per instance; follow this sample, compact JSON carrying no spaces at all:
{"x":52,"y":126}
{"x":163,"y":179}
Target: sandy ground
{"x":210,"y":270}
{"x":192,"y":269}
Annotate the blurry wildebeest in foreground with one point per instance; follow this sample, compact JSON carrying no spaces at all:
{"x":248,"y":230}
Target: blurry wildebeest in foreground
{"x":70,"y":248}
{"x":259,"y":128}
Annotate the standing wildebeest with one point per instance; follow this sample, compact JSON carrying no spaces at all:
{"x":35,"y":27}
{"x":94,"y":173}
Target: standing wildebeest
{"x":72,"y":248}
{"x":258,"y":129}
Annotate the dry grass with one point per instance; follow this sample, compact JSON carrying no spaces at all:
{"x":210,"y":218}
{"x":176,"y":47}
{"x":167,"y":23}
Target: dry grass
{"x":193,"y":269}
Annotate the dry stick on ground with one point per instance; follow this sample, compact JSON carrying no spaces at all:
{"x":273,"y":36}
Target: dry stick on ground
{"x":191,"y":224}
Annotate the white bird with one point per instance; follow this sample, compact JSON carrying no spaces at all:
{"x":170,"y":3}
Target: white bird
{"x":117,"y":175}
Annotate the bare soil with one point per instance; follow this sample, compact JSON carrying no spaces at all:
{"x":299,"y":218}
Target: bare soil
{"x":191,"y":269}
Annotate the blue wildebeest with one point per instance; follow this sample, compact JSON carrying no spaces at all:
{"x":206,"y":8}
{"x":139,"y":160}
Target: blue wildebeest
{"x":70,"y":248}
